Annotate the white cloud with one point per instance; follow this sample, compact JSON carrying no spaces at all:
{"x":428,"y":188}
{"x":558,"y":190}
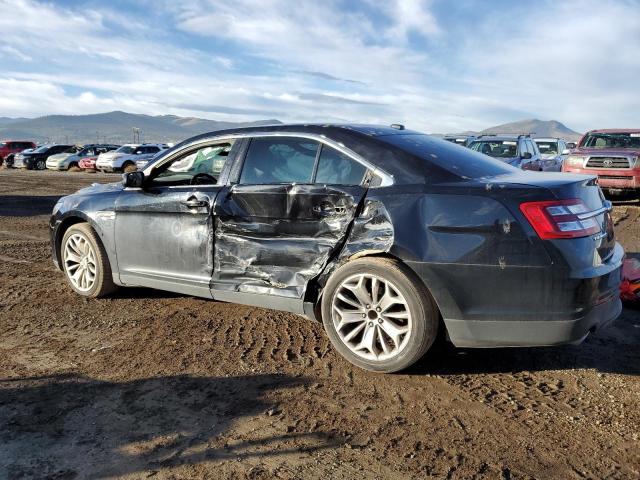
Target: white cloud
{"x":325,"y":61}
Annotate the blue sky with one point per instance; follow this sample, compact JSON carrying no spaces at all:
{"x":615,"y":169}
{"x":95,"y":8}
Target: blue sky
{"x":434,"y":65}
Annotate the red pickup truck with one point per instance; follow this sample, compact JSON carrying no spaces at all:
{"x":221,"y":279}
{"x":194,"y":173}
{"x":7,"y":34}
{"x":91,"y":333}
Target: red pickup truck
{"x":9,"y":148}
{"x":613,"y":155}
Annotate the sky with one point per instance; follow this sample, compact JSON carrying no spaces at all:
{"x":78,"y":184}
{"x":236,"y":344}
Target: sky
{"x":433,"y":65}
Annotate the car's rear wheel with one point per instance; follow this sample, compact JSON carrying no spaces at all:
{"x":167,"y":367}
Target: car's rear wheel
{"x":378,"y":314}
{"x":129,"y":167}
{"x":41,"y":165}
{"x":85,"y":262}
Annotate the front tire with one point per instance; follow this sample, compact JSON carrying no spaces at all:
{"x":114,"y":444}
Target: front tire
{"x":129,"y":167}
{"x":41,"y":165}
{"x":379,"y":315}
{"x":85,"y":262}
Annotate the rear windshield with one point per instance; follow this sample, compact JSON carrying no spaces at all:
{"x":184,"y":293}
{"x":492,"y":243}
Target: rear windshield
{"x":496,"y":148}
{"x":547,"y":147}
{"x":463,"y":163}
{"x":611,"y":140}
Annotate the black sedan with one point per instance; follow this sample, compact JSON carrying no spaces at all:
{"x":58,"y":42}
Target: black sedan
{"x":385,"y":235}
{"x":37,"y":159}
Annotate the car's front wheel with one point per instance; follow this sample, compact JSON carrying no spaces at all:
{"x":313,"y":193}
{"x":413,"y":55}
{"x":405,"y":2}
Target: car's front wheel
{"x":85,"y":262}
{"x":129,"y":167}
{"x":378,"y":314}
{"x":41,"y":165}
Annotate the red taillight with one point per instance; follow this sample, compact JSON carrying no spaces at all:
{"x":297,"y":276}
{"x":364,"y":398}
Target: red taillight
{"x":560,"y":219}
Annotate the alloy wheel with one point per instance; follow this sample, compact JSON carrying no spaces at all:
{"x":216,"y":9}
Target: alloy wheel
{"x":371,"y":317}
{"x":80,"y":262}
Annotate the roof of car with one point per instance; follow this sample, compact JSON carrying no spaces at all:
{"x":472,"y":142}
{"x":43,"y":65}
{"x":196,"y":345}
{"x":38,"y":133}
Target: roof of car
{"x":615,"y":130}
{"x":500,"y":137}
{"x":546,"y":139}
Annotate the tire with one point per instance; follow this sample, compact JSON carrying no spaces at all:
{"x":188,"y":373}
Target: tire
{"x":129,"y":167}
{"x":73,"y":167}
{"x":73,"y":239}
{"x":40,"y":165}
{"x":414,"y":314}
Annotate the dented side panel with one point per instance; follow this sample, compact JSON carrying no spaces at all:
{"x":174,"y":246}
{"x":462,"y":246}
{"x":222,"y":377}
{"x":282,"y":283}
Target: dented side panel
{"x":273,"y":239}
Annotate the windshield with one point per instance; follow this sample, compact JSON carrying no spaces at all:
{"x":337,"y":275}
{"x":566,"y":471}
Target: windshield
{"x":611,"y":140}
{"x":41,"y":149}
{"x":547,"y":147}
{"x":460,"y":162}
{"x":496,"y":148}
{"x":3,"y":144}
{"x":126,"y":149}
{"x":71,"y":150}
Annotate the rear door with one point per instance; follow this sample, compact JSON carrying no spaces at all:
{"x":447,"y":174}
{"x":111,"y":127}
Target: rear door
{"x":282,"y":218}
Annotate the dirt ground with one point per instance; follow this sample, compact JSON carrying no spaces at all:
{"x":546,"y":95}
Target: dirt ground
{"x":151,"y":384}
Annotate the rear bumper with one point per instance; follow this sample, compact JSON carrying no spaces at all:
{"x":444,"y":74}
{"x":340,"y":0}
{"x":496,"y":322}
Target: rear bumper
{"x":531,"y":333}
{"x":488,"y":306}
{"x":612,"y":178}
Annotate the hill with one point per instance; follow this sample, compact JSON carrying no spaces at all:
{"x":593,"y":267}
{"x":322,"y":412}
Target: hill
{"x":538,"y":128}
{"x":113,"y":127}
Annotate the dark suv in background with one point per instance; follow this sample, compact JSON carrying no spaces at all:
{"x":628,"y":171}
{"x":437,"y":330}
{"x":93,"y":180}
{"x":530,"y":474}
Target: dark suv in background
{"x":519,"y":151}
{"x":37,"y":159}
{"x":9,"y":148}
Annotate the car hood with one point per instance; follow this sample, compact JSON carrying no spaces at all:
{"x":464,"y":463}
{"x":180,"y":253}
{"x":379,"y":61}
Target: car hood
{"x":96,"y":188}
{"x":60,"y":156}
{"x":110,"y":155}
{"x":605,"y":152}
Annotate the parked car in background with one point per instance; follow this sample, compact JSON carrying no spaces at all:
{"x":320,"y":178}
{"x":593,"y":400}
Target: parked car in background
{"x":9,"y":148}
{"x":519,"y":151}
{"x":385,"y":234}
{"x":553,"y":152}
{"x":144,"y":153}
{"x":464,"y":140}
{"x":88,"y":163}
{"x":67,"y":160}
{"x":37,"y":158}
{"x":613,"y":155}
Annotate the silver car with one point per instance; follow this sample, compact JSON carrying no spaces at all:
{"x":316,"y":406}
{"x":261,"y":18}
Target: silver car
{"x":553,"y":151}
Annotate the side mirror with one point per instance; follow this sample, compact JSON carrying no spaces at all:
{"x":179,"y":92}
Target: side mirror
{"x":571,"y":145}
{"x":566,"y":151}
{"x":132,"y":179}
{"x":526,"y":155}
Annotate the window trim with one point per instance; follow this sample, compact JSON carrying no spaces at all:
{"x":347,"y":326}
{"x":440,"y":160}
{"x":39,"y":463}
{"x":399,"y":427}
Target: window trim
{"x":236,"y":147}
{"x":385,"y":178}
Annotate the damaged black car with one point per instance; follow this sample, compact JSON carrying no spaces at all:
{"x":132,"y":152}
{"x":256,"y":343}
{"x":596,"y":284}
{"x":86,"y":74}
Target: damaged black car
{"x":386,"y":235}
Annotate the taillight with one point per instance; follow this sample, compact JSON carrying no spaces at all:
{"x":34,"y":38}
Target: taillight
{"x":560,"y":219}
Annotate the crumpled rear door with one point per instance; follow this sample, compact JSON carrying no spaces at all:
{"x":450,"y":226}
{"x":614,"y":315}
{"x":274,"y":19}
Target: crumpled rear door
{"x":273,"y":239}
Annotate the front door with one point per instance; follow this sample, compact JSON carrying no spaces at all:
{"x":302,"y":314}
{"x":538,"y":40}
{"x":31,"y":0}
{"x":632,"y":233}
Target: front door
{"x":164,"y":231}
{"x":278,"y":226}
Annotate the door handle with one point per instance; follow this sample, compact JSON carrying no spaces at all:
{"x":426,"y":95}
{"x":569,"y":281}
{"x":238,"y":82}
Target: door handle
{"x":193,"y":202}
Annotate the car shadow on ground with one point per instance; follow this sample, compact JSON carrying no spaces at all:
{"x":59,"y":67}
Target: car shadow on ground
{"x":65,"y":426}
{"x":27,"y":205}
{"x":611,"y":350}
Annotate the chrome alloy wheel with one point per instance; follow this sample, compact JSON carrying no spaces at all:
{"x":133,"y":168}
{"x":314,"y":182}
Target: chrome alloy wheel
{"x":371,"y":317}
{"x":80,"y":262}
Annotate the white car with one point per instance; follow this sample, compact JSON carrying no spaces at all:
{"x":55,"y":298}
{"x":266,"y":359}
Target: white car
{"x":553,"y":151}
{"x":124,"y":159}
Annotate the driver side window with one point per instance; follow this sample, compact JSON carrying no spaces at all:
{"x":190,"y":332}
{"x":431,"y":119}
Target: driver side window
{"x":201,"y":166}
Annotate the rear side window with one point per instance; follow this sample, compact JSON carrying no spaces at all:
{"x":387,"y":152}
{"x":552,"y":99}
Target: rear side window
{"x":279,"y":160}
{"x":459,"y":161}
{"x":336,"y":168}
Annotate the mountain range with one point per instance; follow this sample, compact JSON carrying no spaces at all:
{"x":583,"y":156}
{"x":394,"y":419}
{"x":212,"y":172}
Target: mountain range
{"x":537,"y":128}
{"x":118,"y":127}
{"x":113,"y":127}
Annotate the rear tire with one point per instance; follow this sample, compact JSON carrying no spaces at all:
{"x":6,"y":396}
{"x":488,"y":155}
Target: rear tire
{"x":379,"y":315}
{"x":85,"y":263}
